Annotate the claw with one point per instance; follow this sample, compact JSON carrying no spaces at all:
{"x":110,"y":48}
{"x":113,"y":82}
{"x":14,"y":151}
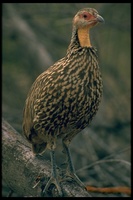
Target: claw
{"x":74,"y":177}
{"x":51,"y":181}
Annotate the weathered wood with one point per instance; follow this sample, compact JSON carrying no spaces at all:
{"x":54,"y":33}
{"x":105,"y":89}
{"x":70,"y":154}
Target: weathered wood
{"x":20,"y":167}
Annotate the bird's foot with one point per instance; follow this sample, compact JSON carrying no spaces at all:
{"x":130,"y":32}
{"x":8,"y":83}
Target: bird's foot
{"x":72,"y":176}
{"x":49,"y":187}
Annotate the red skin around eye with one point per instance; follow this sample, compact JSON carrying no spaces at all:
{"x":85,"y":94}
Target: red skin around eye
{"x":88,"y":16}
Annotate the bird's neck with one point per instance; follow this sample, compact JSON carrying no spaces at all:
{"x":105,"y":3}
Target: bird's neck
{"x":84,"y":37}
{"x":80,"y":38}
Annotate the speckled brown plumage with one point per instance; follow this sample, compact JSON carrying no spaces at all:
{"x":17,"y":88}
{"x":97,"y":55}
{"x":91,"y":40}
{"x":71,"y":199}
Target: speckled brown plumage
{"x":64,"y":99}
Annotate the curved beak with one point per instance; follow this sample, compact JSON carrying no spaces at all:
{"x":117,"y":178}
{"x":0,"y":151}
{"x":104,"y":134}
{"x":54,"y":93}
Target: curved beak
{"x":100,"y":19}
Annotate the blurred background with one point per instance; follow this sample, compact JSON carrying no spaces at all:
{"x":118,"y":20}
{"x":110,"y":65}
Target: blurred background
{"x":34,"y":36}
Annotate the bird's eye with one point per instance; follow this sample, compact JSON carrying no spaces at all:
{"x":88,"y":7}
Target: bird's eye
{"x":85,"y":16}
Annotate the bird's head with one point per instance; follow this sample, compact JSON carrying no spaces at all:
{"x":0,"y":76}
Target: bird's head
{"x":87,"y":17}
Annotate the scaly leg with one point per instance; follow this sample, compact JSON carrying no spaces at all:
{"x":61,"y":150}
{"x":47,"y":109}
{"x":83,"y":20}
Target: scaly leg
{"x":70,"y":171}
{"x":53,"y":179}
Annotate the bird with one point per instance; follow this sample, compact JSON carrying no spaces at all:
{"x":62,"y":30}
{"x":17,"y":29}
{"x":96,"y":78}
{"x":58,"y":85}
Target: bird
{"x":64,"y":99}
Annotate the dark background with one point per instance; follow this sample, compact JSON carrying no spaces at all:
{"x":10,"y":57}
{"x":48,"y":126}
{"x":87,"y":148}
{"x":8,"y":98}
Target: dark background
{"x":34,"y":36}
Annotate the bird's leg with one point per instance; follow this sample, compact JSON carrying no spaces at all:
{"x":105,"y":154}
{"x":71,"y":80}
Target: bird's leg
{"x":53,"y":179}
{"x":70,"y":171}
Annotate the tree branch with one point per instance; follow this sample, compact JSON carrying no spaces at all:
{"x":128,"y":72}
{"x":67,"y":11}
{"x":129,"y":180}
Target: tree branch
{"x":20,"y":167}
